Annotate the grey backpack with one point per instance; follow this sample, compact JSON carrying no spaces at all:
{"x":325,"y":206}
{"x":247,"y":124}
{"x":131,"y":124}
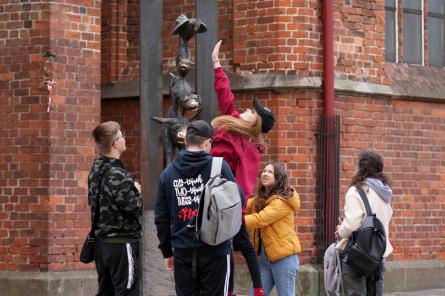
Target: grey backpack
{"x":333,"y":275}
{"x":220,"y":208}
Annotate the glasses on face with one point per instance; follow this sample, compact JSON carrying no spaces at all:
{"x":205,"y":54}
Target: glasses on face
{"x":123,"y":137}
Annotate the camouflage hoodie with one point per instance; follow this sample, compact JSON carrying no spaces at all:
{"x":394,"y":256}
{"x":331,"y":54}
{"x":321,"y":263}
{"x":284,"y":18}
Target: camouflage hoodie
{"x":120,"y":202}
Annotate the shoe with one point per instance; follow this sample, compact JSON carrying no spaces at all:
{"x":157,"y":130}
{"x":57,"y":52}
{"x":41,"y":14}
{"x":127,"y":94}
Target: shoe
{"x":258,"y":292}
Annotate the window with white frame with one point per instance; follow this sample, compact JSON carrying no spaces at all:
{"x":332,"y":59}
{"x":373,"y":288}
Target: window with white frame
{"x":413,"y":18}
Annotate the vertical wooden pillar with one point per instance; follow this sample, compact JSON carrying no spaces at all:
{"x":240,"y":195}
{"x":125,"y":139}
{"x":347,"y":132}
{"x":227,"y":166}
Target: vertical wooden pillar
{"x":151,"y":97}
{"x":207,"y":11}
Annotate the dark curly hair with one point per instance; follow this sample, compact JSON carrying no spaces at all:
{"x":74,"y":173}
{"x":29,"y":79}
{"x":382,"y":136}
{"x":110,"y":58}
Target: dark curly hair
{"x":370,"y":165}
{"x":281,"y":186}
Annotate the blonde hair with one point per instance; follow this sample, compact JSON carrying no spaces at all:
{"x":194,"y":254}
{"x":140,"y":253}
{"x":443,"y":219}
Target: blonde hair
{"x":104,"y":134}
{"x":250,"y":131}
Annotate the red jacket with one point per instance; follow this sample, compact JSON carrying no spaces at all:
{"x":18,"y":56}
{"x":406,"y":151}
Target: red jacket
{"x":242,"y":155}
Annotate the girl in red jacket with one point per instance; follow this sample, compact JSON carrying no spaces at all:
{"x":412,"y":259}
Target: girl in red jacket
{"x":237,"y":139}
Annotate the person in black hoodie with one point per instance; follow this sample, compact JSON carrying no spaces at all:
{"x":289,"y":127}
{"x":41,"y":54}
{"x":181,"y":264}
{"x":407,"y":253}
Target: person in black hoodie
{"x":199,"y":269}
{"x":114,"y":196}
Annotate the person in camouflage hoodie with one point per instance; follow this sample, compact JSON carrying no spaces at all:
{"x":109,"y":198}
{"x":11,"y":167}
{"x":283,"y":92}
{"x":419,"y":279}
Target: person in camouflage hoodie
{"x":118,"y":225}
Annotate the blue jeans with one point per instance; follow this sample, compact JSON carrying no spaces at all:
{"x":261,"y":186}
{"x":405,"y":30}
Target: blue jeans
{"x":281,"y":274}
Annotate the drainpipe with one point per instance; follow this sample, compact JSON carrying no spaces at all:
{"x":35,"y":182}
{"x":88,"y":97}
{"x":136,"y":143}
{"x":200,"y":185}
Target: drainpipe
{"x":331,"y":212}
{"x":328,"y":57}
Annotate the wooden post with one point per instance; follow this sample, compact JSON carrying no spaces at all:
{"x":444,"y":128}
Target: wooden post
{"x":206,"y":11}
{"x":150,"y":97}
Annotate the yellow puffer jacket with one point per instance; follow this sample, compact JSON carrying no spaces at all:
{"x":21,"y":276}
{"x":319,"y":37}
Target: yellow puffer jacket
{"x":274,"y":226}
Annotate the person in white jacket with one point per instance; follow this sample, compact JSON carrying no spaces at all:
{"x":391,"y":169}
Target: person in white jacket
{"x":375,"y":182}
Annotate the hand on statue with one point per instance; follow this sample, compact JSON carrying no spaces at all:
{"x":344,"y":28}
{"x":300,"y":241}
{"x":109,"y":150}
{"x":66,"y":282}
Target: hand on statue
{"x":215,"y":55}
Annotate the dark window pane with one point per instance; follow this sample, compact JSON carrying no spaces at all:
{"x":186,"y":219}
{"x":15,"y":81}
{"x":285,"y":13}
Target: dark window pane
{"x":390,"y":36}
{"x":436,"y":39}
{"x":390,"y":3}
{"x":412,"y":4}
{"x":412,"y":32}
{"x":437,"y":6}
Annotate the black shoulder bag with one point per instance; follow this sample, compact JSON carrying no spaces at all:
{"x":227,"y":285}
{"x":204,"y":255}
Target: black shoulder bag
{"x":87,"y":252}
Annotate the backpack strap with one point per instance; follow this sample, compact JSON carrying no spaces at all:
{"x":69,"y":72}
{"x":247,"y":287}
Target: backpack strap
{"x":216,"y":166}
{"x":340,"y":286}
{"x":365,"y":201}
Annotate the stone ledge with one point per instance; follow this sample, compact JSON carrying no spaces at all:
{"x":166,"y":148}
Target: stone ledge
{"x":66,"y":283}
{"x":280,"y":82}
{"x":414,"y":275}
{"x":399,"y":277}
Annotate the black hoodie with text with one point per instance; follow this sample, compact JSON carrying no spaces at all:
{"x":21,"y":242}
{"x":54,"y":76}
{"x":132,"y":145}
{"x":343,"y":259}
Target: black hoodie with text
{"x":177,"y":202}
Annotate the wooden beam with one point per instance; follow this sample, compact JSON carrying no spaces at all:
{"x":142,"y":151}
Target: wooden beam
{"x":150,"y":97}
{"x":206,"y":11}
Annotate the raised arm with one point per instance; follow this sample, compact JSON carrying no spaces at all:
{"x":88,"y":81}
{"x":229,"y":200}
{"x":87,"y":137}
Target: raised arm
{"x":222,"y":86}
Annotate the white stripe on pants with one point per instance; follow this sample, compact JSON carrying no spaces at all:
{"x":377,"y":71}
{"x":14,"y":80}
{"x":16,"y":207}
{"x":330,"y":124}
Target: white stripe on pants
{"x":226,"y":284}
{"x":130,"y":266}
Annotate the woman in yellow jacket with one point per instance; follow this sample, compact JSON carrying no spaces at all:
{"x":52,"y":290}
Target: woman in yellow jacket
{"x":270,"y":221}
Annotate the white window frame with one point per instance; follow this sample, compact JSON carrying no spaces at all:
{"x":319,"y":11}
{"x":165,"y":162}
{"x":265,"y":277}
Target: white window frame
{"x":424,"y":15}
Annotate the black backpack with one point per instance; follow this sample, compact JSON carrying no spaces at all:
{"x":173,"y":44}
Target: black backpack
{"x":365,"y":248}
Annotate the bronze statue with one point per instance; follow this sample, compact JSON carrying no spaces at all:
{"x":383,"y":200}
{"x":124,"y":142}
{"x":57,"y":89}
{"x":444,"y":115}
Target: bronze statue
{"x":185,"y":105}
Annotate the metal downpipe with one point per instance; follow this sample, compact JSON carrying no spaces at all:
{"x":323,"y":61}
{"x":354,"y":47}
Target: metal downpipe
{"x":330,"y":197}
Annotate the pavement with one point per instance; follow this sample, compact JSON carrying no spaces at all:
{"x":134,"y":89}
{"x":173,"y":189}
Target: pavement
{"x":433,"y":292}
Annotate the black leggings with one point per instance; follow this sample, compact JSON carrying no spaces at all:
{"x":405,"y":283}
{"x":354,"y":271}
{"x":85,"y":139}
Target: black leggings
{"x":241,"y":242}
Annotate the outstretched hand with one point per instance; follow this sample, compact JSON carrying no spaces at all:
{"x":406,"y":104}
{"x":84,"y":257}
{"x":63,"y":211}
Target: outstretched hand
{"x":215,"y":55}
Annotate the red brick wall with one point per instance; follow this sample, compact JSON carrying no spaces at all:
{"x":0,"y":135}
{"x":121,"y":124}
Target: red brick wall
{"x":127,"y":113}
{"x":120,"y":40}
{"x":277,"y":36}
{"x":77,"y":103}
{"x":410,"y":137}
{"x":24,"y":151}
{"x":45,"y":157}
{"x":359,"y":34}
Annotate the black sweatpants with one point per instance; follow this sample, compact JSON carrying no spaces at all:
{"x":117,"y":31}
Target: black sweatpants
{"x":117,"y":268}
{"x":206,"y":276}
{"x":241,"y":242}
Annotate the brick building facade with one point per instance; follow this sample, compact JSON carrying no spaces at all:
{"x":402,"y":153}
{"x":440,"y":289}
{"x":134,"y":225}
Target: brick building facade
{"x":272,"y":50}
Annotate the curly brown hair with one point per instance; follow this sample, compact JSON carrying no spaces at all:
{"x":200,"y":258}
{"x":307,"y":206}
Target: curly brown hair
{"x":281,"y":186}
{"x":370,"y":165}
